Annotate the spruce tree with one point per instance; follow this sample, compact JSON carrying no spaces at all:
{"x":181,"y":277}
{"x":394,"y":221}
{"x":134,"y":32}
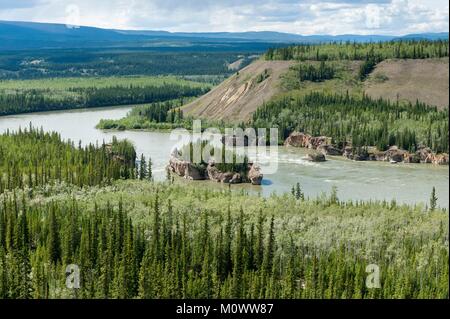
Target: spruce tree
{"x":298,"y":192}
{"x":433,"y":199}
{"x":259,"y":244}
{"x":143,"y":173}
{"x":53,"y":241}
{"x":149,"y":170}
{"x":238,"y":264}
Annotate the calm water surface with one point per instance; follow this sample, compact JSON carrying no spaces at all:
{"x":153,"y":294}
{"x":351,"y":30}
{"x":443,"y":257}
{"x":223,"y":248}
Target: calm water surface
{"x":408,"y":183}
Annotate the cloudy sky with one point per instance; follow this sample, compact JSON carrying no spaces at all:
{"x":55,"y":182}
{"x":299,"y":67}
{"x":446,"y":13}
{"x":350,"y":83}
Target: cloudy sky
{"x":294,"y":16}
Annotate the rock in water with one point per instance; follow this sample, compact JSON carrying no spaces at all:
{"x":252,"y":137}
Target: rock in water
{"x":254,"y":175}
{"x":441,"y":159}
{"x":395,"y":154}
{"x":236,"y":179}
{"x":185,"y":169}
{"x":316,"y":157}
{"x":214,"y":174}
{"x":327,"y":149}
{"x":298,"y":139}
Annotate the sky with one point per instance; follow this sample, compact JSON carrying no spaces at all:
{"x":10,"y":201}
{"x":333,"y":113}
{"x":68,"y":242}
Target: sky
{"x":307,"y":17}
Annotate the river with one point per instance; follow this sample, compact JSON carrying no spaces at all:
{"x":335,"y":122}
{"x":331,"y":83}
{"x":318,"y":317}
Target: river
{"x":406,"y":183}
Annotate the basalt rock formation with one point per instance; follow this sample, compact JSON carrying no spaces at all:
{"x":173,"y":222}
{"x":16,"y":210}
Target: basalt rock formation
{"x":254,"y":175}
{"x":185,"y":169}
{"x":369,"y":153}
{"x":298,"y":139}
{"x":216,"y":175}
{"x":211,"y":172}
{"x":328,"y":149}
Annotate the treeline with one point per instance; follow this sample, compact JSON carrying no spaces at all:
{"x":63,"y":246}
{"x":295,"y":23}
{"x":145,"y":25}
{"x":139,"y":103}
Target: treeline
{"x":362,"y":121}
{"x":159,"y":115}
{"x":167,"y":111}
{"x":314,"y":73}
{"x":34,"y":100}
{"x":406,"y":49}
{"x":173,"y":255}
{"x":31,"y":158}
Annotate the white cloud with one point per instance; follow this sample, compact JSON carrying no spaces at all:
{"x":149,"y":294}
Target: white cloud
{"x":295,"y":16}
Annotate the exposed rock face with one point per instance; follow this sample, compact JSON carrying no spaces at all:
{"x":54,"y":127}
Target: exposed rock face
{"x":426,"y":155}
{"x":316,"y":157}
{"x":216,"y":175}
{"x":236,"y":179}
{"x":185,"y":169}
{"x":254,"y":175}
{"x":348,"y":152}
{"x":315,"y":142}
{"x":196,"y":172}
{"x":327,"y":149}
{"x":441,"y":159}
{"x":361,"y":156}
{"x":177,"y":166}
{"x":368,"y":153}
{"x":395,"y":154}
{"x":412,"y":159}
{"x":298,"y":139}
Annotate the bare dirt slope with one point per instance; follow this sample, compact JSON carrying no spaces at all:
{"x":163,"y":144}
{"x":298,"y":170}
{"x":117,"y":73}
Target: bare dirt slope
{"x":239,"y":96}
{"x":425,"y":80}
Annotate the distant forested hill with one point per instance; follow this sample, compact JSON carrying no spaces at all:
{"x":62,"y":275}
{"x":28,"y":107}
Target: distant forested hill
{"x":28,"y":35}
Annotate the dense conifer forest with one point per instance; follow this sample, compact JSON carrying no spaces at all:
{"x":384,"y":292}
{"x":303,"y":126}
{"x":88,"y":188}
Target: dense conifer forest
{"x":315,"y":73}
{"x":33,"y":158}
{"x":61,"y":94}
{"x":158,"y":115}
{"x":85,"y":62}
{"x":161,"y":240}
{"x":362,"y":51}
{"x":362,"y":121}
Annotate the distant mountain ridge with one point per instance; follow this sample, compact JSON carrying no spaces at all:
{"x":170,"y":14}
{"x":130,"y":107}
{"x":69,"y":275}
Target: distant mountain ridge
{"x":16,"y":35}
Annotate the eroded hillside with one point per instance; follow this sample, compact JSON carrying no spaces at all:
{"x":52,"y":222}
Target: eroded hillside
{"x":424,"y":80}
{"x":240,"y":95}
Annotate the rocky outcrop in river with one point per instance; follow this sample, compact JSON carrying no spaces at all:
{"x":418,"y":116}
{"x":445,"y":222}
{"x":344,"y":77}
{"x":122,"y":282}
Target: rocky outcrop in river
{"x":185,"y":169}
{"x":316,"y":157}
{"x":210,"y":172}
{"x":254,"y":175}
{"x":214,"y":174}
{"x":394,"y":154}
{"x":298,"y":139}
